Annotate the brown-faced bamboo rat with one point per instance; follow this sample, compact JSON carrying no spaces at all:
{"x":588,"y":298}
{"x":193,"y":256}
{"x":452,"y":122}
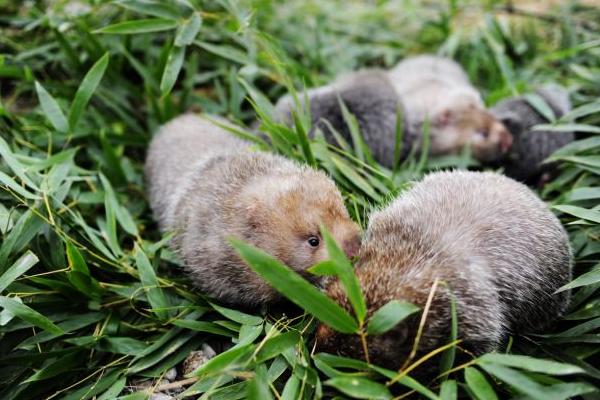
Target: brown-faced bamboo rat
{"x":437,"y":89}
{"x":418,"y":88}
{"x":206,"y":185}
{"x":491,"y":243}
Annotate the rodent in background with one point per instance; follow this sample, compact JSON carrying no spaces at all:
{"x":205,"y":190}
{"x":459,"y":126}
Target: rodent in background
{"x":491,"y":241}
{"x":531,"y":147}
{"x":437,"y":89}
{"x":370,"y":97}
{"x":417,"y":88}
{"x":206,"y":185}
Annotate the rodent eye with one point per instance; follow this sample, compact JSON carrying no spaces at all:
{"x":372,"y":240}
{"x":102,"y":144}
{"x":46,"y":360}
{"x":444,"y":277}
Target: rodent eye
{"x":313,"y":241}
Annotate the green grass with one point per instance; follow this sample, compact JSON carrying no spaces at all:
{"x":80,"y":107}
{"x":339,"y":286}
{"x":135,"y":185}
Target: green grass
{"x":91,"y":296}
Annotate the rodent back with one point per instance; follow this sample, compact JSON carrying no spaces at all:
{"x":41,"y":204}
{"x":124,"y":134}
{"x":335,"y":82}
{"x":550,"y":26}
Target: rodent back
{"x":369,"y":97}
{"x":531,"y":147}
{"x":180,"y":146}
{"x":502,"y":223}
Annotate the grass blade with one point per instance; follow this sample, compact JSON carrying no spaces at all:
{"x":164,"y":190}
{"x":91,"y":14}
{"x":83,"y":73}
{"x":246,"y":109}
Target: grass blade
{"x":86,"y":90}
{"x":52,"y":109}
{"x":295,"y":288}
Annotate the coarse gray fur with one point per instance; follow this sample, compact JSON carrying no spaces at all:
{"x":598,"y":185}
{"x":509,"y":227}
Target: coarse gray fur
{"x":488,"y":239}
{"x":531,"y":147}
{"x":437,"y":90}
{"x":206,"y":186}
{"x":370,"y":97}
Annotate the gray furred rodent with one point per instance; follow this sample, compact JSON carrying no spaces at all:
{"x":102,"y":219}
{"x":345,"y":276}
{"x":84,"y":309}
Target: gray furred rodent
{"x":206,"y":185}
{"x":489,"y":240}
{"x":437,"y":89}
{"x":369,"y":96}
{"x":419,"y":88}
{"x":531,"y":147}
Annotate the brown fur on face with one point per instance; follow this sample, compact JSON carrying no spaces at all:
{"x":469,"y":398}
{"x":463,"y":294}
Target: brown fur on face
{"x":283,"y":220}
{"x":206,"y":186}
{"x":453,"y":129}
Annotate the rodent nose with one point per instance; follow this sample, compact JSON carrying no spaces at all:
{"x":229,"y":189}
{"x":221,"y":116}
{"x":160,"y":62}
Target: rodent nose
{"x":352,"y":246}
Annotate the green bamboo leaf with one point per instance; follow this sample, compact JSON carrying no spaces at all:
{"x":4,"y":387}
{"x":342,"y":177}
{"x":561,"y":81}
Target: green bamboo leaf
{"x":237,"y":316}
{"x":389,"y":316}
{"x":291,"y":388}
{"x":122,"y":215}
{"x":580,"y":212}
{"x":480,"y":387}
{"x":28,"y":314}
{"x":448,"y":357}
{"x":15,"y":187}
{"x":345,"y":272}
{"x":79,"y":276}
{"x":584,"y":128}
{"x":114,"y":391}
{"x":355,"y":177}
{"x":360,"y":388}
{"x":8,"y":157}
{"x":155,"y":8}
{"x":531,"y":364}
{"x":589,"y":278}
{"x":188,"y":31}
{"x":86,"y":90}
{"x":304,"y":142}
{"x":24,"y":230}
{"x":224,"y":360}
{"x":122,"y":345}
{"x":51,"y":109}
{"x":203,"y":326}
{"x":277,"y":345}
{"x":22,"y":265}
{"x":258,"y":387}
{"x":225,"y":51}
{"x":61,"y":365}
{"x":139,"y":26}
{"x":154,"y":293}
{"x":577,"y":146}
{"x":172,"y":68}
{"x":448,"y":390}
{"x":517,"y":380}
{"x":540,"y":105}
{"x":295,"y":288}
{"x":582,"y":111}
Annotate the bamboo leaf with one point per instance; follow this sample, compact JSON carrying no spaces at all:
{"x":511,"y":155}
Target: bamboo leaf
{"x":19,"y":267}
{"x":154,"y":293}
{"x":28,"y":314}
{"x":86,"y":90}
{"x":188,"y":31}
{"x":479,"y":385}
{"x":139,"y":26}
{"x":295,"y":288}
{"x":172,"y":68}
{"x":360,"y":388}
{"x":51,"y":109}
{"x":389,"y":316}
